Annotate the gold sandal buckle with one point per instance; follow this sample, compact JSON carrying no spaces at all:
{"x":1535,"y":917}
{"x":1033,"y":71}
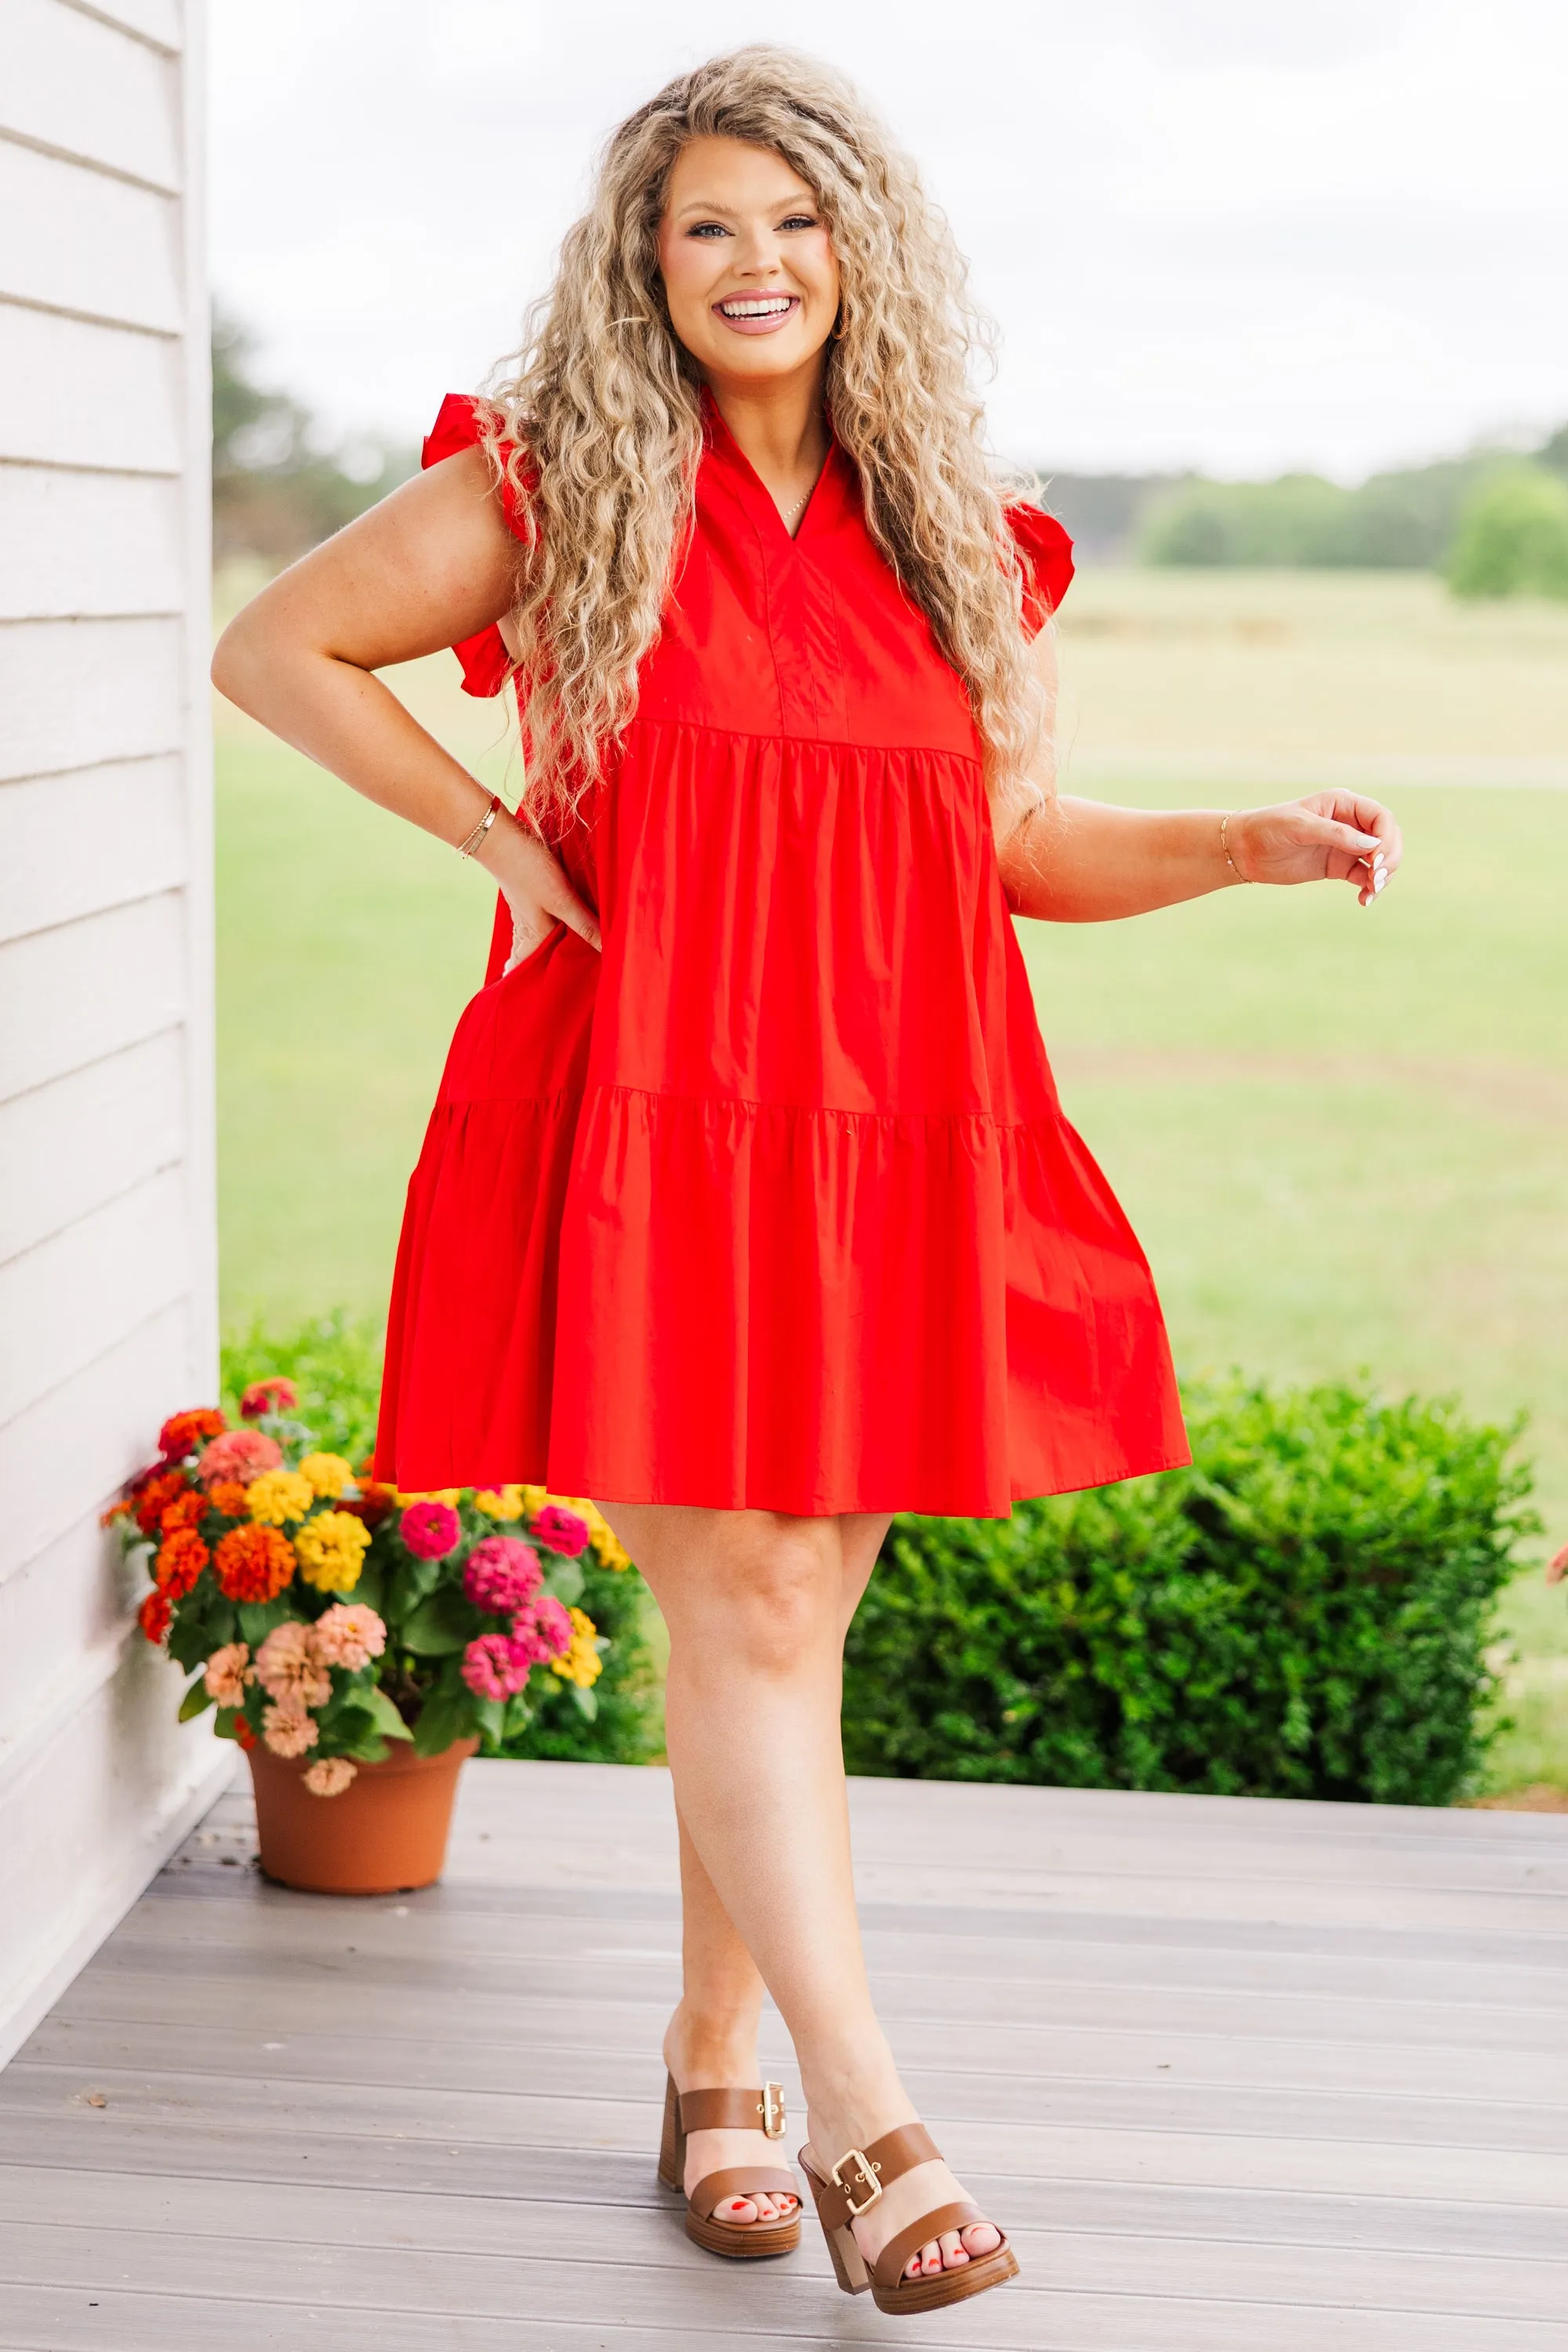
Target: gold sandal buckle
{"x":868,"y":2185}
{"x":773,"y":2119}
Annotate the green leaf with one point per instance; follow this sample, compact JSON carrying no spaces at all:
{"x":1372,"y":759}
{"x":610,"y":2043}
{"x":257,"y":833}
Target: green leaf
{"x":372,"y":1587}
{"x":196,"y":1701}
{"x":226,"y":1722}
{"x":442,"y":1623}
{"x":382,"y":1713}
{"x":586,"y":1702}
{"x":258,"y":1617}
{"x":445,"y":1716}
{"x":566,"y":1581}
{"x":519,"y":1716}
{"x":490,"y":1719}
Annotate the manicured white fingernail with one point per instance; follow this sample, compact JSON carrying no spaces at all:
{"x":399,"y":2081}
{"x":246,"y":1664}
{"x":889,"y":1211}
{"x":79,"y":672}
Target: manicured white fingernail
{"x":1378,"y":879}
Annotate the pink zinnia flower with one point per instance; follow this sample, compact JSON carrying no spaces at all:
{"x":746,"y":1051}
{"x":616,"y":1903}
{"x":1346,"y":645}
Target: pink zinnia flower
{"x":288,"y":1667}
{"x":542,"y":1630}
{"x":492,"y":1667}
{"x":348,"y":1635}
{"x":228,"y":1671}
{"x":276,"y":1396}
{"x":241,"y":1454}
{"x":288,"y":1732}
{"x":502,"y":1574}
{"x":560,"y":1531}
{"x":430,"y":1529}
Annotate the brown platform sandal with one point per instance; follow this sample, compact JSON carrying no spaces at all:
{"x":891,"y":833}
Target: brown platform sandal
{"x":760,"y":2110}
{"x":854,"y":2186}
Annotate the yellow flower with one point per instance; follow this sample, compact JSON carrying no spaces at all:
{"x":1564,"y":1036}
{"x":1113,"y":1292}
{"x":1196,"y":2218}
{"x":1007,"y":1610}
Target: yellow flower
{"x":278,"y":1495}
{"x":500,"y":1502}
{"x":582,"y":1663}
{"x":603,"y":1537}
{"x":329,"y":1474}
{"x":331,"y":1549}
{"x":534,"y":1498}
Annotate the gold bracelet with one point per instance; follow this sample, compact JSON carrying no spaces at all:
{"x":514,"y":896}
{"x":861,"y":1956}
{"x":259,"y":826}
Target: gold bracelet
{"x":1225,"y":845}
{"x":467,"y":848}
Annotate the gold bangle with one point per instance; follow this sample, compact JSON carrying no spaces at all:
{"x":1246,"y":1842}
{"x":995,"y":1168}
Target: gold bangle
{"x":1225,"y":845}
{"x":467,"y":848}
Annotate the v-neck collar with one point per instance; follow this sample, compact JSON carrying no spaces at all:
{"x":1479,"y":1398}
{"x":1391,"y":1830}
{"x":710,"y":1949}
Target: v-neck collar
{"x":722,"y":443}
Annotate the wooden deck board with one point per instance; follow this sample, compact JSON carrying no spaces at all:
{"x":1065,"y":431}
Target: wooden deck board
{"x":1236,"y":2075}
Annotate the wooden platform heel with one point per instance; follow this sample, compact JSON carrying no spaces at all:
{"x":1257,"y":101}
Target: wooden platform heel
{"x":855,"y":2184}
{"x":761,"y":2111}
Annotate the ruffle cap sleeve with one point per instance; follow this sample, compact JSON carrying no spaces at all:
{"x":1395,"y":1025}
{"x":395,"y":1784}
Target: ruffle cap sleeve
{"x":1045,"y":552}
{"x":486,"y":663}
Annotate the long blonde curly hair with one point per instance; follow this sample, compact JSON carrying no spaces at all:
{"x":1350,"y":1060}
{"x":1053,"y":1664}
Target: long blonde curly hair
{"x":598,"y":424}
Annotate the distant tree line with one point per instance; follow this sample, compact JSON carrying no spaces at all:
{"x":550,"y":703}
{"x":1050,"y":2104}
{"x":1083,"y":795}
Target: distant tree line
{"x":280,"y":484}
{"x":1496,"y":525}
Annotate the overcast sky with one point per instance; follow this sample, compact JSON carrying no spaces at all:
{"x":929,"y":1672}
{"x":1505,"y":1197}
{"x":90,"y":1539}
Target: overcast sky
{"x":1240,"y":234}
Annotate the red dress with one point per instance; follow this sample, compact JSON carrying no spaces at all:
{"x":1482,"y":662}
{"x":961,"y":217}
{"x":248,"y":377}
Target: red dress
{"x":772,"y":1203}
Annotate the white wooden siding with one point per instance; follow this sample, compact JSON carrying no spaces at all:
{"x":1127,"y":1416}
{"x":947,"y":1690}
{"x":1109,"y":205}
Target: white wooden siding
{"x":85,"y":544}
{"x":107,"y":1228}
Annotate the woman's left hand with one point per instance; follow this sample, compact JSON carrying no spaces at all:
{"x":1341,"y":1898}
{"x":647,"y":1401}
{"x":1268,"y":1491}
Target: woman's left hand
{"x":1325,"y":837}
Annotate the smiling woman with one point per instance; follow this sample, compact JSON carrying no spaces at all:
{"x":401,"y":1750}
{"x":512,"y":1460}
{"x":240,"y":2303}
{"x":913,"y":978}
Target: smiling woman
{"x":748,"y":1206}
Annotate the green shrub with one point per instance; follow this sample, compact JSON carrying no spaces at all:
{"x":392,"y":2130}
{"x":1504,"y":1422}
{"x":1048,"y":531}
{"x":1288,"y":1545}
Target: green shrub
{"x":1512,"y":539}
{"x":1302,"y":1613}
{"x":1395,"y":521}
{"x":334,"y":1361}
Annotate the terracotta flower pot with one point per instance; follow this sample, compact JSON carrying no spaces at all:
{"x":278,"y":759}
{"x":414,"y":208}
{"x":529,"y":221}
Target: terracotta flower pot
{"x":382,"y":1834}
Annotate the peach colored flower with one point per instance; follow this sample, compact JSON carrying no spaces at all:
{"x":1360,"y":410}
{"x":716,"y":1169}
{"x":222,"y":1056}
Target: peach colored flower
{"x":288,"y":1732}
{"x":289,"y":1669}
{"x":241,"y":1454}
{"x":350,"y":1636}
{"x":278,"y":1496}
{"x":228,"y":1671}
{"x":329,"y":1776}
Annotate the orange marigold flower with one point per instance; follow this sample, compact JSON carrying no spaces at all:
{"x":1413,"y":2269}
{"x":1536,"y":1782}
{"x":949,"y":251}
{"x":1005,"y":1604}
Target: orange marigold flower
{"x":227,"y":1495}
{"x":184,"y":1511}
{"x":153,"y":1496}
{"x":153,"y":1615}
{"x":254,"y":1563}
{"x":184,"y":1431}
{"x":181,"y":1556}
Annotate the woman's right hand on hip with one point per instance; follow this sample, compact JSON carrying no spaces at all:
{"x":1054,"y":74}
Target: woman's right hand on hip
{"x":536,"y":887}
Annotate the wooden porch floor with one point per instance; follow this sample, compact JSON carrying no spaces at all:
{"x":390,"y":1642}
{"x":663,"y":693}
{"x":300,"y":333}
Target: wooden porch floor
{"x":1286,"y":2078}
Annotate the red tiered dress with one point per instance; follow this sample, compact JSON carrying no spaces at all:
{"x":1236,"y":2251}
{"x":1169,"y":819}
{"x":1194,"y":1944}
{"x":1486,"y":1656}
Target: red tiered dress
{"x":772,"y":1203}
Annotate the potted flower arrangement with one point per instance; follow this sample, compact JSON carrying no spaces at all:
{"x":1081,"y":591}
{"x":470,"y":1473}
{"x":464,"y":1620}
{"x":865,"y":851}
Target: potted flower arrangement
{"x":359,"y":1644}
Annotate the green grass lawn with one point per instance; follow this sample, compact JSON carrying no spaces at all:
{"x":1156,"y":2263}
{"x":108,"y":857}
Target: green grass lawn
{"x":1342,"y":1136}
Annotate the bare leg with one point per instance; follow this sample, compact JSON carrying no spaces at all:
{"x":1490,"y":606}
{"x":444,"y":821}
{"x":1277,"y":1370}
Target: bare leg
{"x":711,"y":2042}
{"x":757,"y":1604}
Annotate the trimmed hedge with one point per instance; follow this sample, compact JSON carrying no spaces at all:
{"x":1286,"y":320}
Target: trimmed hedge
{"x":1302,"y":1613}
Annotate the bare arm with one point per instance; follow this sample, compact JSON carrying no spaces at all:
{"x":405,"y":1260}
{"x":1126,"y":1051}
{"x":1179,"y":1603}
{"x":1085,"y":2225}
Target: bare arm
{"x":431,"y":565}
{"x":1076,"y":861}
